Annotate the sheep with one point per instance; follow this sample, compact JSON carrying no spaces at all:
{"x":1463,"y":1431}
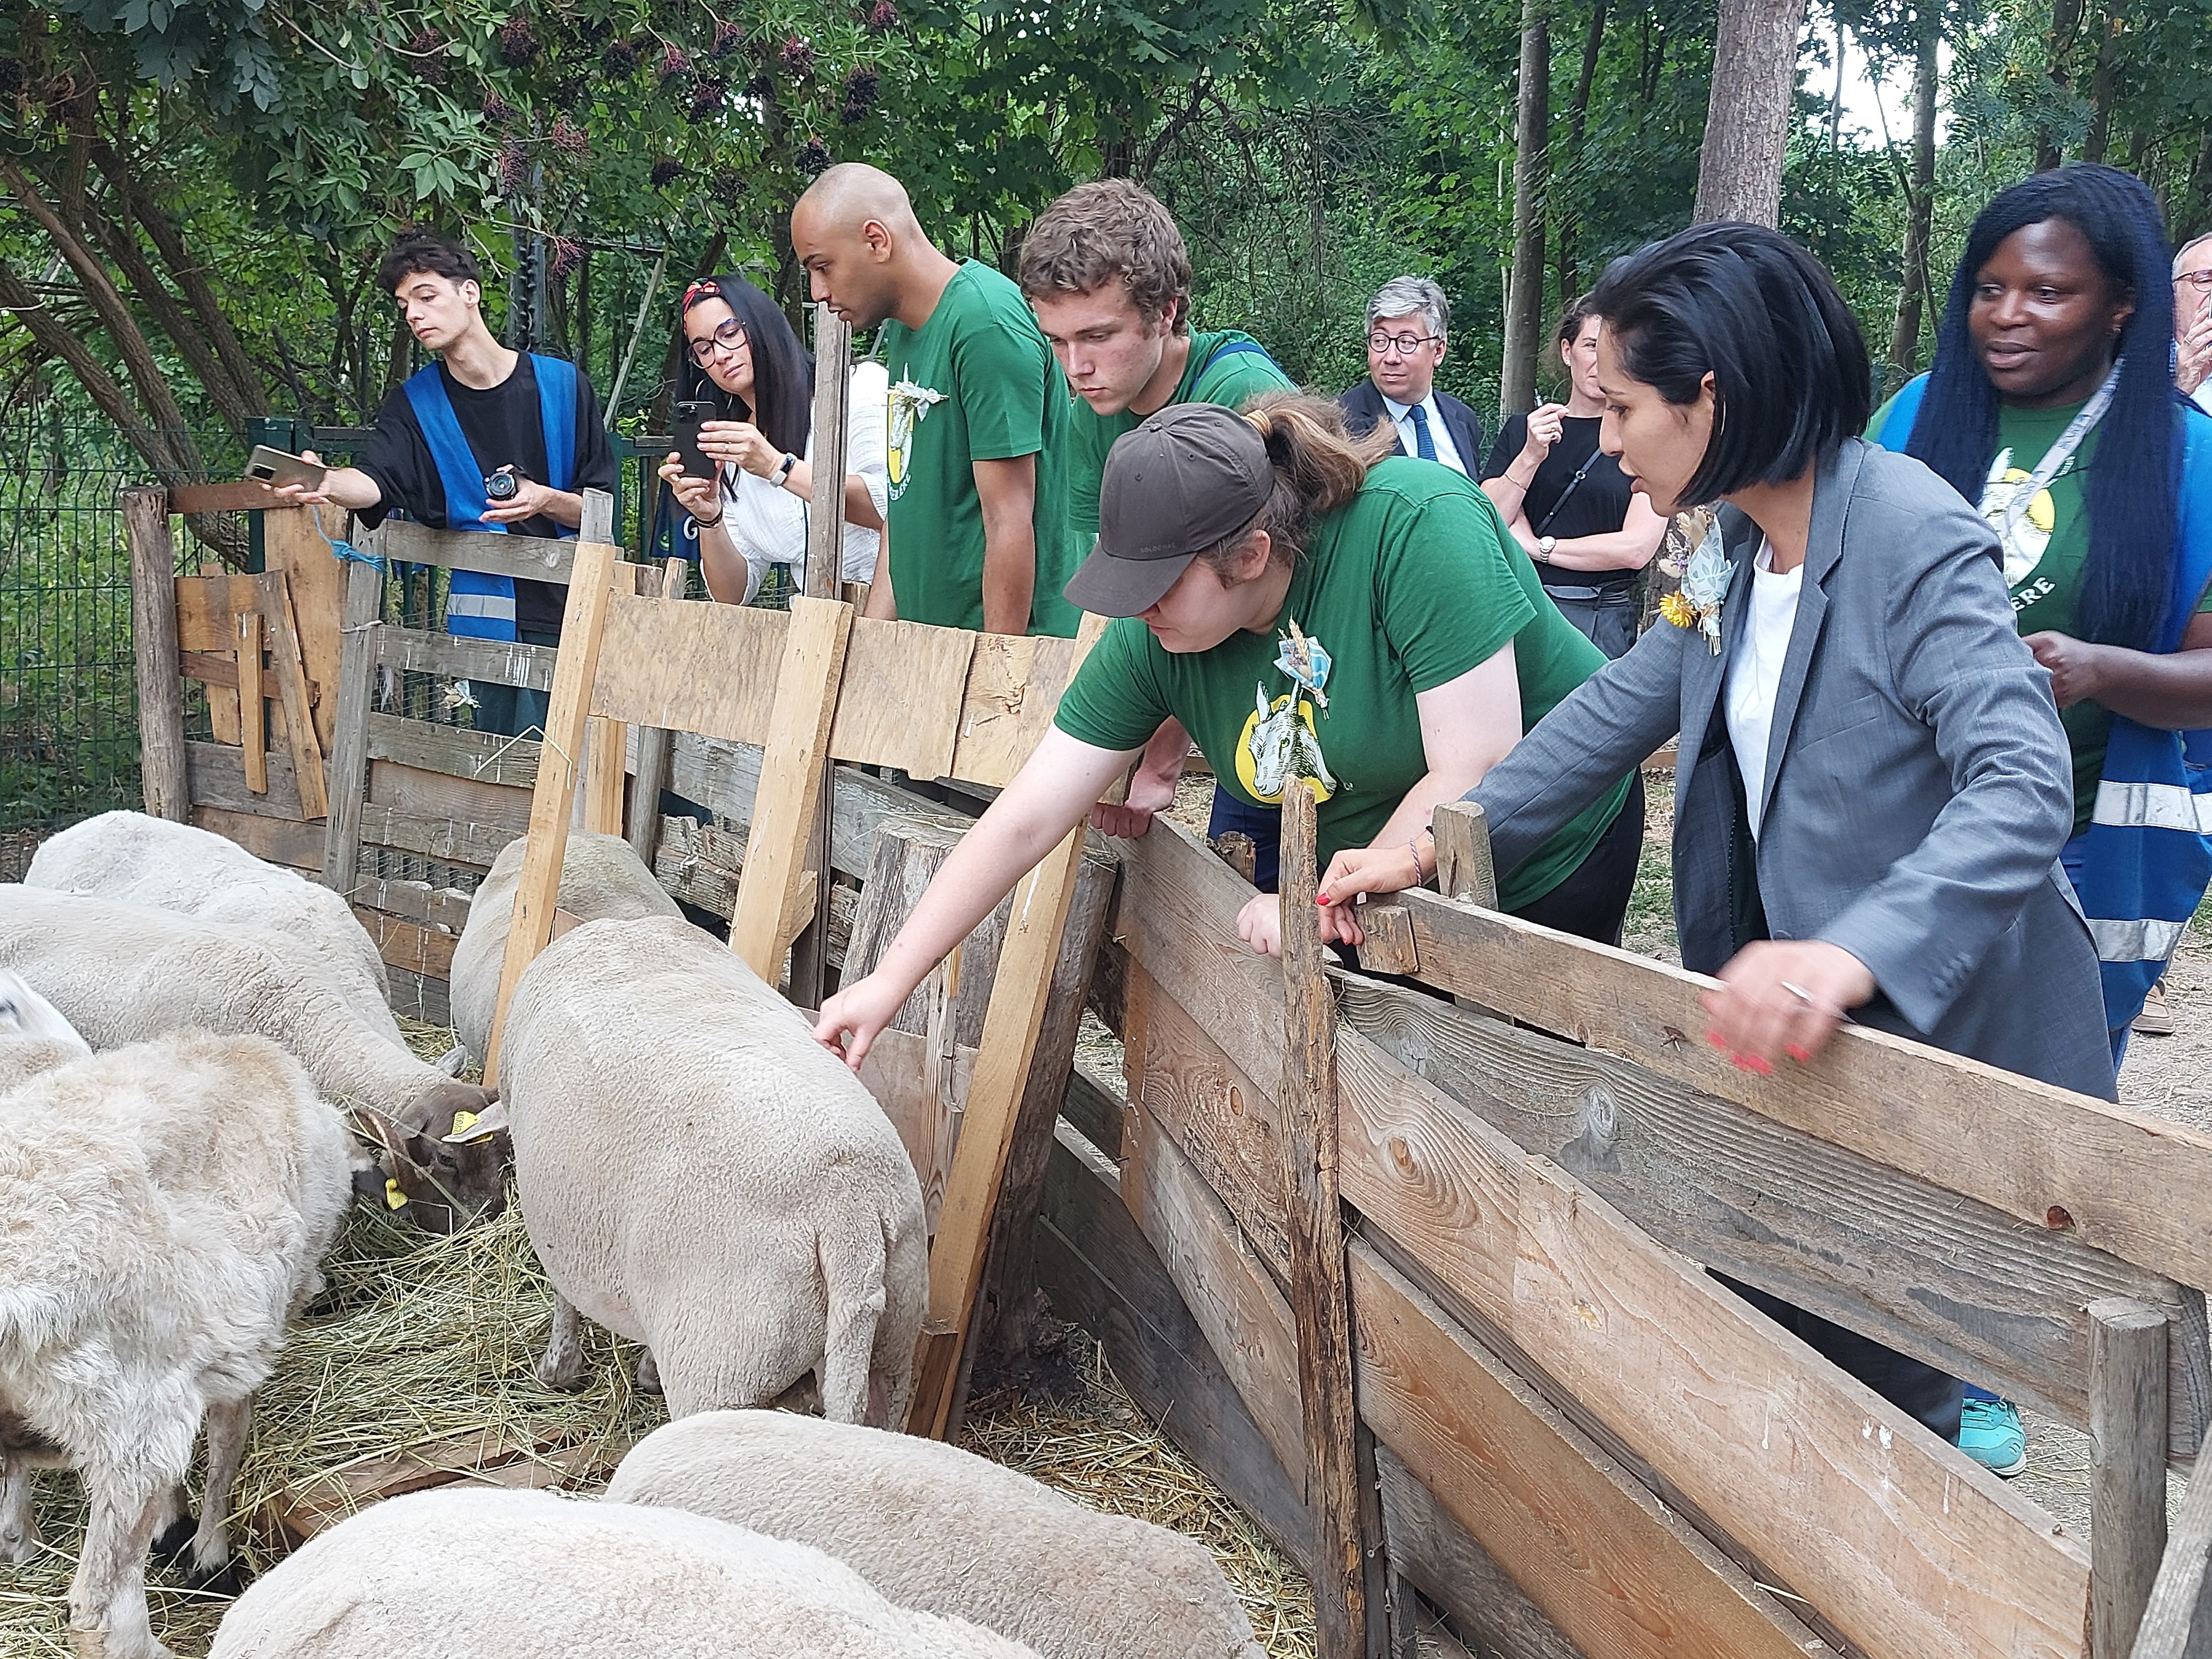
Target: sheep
{"x":129,"y":858}
{"x":167,"y":1204}
{"x":33,"y":1036}
{"x":462,"y":1571}
{"x":1003,"y":1552}
{"x":602,"y":879}
{"x":121,"y":974}
{"x":698,"y":1174}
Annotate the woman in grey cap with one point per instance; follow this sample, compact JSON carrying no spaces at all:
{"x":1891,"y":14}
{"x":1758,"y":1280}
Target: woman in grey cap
{"x":1305,"y":609}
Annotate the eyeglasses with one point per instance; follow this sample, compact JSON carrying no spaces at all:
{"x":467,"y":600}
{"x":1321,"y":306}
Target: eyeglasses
{"x":730,"y":337}
{"x":2200,"y":280}
{"x":1404,"y":345}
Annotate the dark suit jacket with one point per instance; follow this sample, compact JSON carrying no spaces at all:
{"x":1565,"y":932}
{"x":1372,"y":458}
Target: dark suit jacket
{"x":1363,"y":407}
{"x":1917,"y":784}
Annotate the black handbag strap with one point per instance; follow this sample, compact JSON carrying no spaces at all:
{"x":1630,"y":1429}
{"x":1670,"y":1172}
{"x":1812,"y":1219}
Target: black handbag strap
{"x":1573,"y":484}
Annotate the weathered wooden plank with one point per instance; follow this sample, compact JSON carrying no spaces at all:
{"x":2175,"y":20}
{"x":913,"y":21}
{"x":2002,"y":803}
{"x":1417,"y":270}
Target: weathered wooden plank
{"x":410,"y":944}
{"x":252,"y":711}
{"x":296,"y":845}
{"x":315,"y":580}
{"x":1430,"y":1547}
{"x":701,"y":866}
{"x":287,"y":666}
{"x":438,"y":795}
{"x":901,"y":705}
{"x":648,"y":746}
{"x":2051,"y":1157}
{"x":1231,"y":1297}
{"x":2127,"y":1468}
{"x":1014,"y":686}
{"x":1602,"y":1559}
{"x":534,"y":558}
{"x":925,"y":1104}
{"x":244,"y":496}
{"x":793,"y":764}
{"x":495,"y":662}
{"x":1094,"y":1109}
{"x":216,"y":775}
{"x":419,"y":997}
{"x":446,"y":840}
{"x":156,"y":646}
{"x":1911,"y":1265}
{"x":605,"y":743}
{"x":482,"y":757}
{"x":724,"y":776}
{"x":1463,"y":867}
{"x":348,"y":769}
{"x":1103,"y":1274}
{"x":650,"y":672}
{"x":2177,"y":1623}
{"x":417,"y":901}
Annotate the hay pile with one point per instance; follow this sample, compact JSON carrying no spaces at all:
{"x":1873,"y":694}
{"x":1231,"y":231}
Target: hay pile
{"x":421,"y":1341}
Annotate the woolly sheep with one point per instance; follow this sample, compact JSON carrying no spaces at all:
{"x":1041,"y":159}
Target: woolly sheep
{"x":699,"y":1174}
{"x":33,"y":1036}
{"x":121,"y":975}
{"x":526,"y":1575}
{"x":1003,"y":1550}
{"x":166,"y":1205}
{"x":129,"y":858}
{"x":602,"y":879}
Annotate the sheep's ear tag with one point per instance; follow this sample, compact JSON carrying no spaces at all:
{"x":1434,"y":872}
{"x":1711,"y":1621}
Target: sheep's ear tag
{"x":459,"y":1135}
{"x":393,"y":1198}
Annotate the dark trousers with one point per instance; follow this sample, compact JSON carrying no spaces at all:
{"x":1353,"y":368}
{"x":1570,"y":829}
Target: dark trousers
{"x":1930,"y":1397}
{"x":1591,"y":903}
{"x":508,"y":711}
{"x":1606,"y":617}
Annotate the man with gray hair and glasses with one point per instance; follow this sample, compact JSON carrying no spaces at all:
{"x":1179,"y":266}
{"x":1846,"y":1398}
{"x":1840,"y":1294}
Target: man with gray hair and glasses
{"x":1407,"y":321}
{"x":2192,"y":320}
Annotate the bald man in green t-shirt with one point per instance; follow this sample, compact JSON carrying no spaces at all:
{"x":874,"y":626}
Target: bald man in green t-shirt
{"x":1106,"y":271}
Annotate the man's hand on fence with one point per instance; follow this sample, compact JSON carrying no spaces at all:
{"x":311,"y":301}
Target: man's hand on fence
{"x":1784,"y":998}
{"x":1260,"y":925}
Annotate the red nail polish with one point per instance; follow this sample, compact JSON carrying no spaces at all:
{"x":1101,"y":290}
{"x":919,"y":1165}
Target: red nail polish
{"x":1799,"y":1053}
{"x":1321,"y":899}
{"x":1754,"y":1063}
{"x":1714,"y":1037}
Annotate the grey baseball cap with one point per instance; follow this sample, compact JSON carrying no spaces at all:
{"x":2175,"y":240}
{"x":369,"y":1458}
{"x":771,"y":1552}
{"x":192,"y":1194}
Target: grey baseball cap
{"x":1187,"y":477}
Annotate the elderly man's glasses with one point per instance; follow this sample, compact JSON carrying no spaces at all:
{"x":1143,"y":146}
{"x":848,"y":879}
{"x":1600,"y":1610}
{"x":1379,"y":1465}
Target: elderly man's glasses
{"x":730,"y":337}
{"x":2199,"y":280}
{"x":1404,"y":345}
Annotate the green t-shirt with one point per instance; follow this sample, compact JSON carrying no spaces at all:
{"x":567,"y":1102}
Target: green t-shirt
{"x":977,"y":382}
{"x":2043,"y":559}
{"x":1214,"y":373}
{"x":1406,"y":586}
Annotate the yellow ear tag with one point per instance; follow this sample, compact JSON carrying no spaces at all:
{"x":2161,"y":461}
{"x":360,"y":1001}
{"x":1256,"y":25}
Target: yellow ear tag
{"x":393,"y":1198}
{"x":463,"y":1123}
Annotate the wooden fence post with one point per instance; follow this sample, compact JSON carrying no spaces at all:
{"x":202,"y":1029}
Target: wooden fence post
{"x":2127,"y":1468}
{"x":1347,"y":1593}
{"x":2174,"y":1626}
{"x":160,"y":660}
{"x":364,"y":615}
{"x":1463,"y":866}
{"x":654,"y":744}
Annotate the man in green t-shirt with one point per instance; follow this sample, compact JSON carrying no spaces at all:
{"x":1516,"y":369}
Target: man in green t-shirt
{"x":977,"y":534}
{"x":1106,"y":271}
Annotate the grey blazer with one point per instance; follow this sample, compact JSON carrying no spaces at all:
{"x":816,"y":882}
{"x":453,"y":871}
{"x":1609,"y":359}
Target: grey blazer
{"x":1918,"y":787}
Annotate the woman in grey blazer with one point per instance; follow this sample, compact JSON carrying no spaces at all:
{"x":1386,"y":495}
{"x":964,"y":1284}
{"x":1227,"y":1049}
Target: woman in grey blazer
{"x":1872,"y":785}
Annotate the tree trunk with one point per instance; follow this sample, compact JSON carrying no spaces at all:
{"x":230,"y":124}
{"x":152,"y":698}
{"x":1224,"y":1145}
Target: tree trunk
{"x":2059,"y":52}
{"x":1920,"y":207}
{"x":1577,"y":122}
{"x":1524,"y":305}
{"x":2100,"y":87}
{"x":1747,"y":114}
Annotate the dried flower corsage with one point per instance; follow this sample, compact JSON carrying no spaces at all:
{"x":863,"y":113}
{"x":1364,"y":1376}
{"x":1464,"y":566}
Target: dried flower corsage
{"x":1697,"y":603}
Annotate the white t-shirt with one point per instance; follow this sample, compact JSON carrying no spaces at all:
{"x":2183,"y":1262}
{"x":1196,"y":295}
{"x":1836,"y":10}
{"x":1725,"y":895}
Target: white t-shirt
{"x":767,"y":523}
{"x":1755,"y":673}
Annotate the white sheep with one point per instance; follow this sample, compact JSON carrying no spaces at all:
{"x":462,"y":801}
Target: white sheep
{"x":121,"y":975}
{"x":129,"y":858}
{"x":1002,"y":1550}
{"x":33,"y":1036}
{"x":698,"y":1174}
{"x":461,"y":1572}
{"x":602,"y":879}
{"x":166,"y":1205}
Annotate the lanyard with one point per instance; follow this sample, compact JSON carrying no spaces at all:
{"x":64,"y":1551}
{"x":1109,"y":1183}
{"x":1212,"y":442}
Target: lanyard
{"x":2058,"y":454}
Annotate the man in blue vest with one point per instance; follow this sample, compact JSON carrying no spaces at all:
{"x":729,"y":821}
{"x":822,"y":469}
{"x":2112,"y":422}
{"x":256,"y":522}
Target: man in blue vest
{"x":484,"y":439}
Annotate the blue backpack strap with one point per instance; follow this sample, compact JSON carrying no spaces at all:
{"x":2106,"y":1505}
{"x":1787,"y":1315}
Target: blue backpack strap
{"x":1231,"y":347}
{"x":1897,"y":429}
{"x":477,"y":606}
{"x":556,"y":412}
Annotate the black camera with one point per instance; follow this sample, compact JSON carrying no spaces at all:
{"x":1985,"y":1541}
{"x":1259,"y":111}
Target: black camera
{"x":501,"y":486}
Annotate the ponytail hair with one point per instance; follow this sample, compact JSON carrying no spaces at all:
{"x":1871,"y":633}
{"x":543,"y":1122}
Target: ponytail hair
{"x":1318,"y":467}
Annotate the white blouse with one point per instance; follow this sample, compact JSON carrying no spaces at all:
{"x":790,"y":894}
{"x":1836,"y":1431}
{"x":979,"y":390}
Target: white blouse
{"x":1754,"y":674}
{"x":768,"y":524}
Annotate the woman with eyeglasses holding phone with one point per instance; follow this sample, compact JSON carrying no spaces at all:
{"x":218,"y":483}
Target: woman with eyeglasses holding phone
{"x":744,"y":358}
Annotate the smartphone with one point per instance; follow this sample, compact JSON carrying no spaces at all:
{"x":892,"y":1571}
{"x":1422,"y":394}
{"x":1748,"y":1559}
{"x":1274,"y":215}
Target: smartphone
{"x":690,"y":415}
{"x":277,"y":467}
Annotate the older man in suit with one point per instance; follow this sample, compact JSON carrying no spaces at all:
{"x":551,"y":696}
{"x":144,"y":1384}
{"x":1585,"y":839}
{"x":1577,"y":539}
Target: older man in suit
{"x":1407,"y":324}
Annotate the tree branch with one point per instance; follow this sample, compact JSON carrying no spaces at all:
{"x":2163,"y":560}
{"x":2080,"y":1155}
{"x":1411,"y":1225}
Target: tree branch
{"x":116,"y":236}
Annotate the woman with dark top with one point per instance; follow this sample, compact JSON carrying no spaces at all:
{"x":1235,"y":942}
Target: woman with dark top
{"x":1872,"y":789}
{"x":1568,"y":503}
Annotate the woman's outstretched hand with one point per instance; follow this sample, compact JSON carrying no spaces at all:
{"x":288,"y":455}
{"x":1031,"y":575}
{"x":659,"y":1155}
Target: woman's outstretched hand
{"x":1784,"y":998}
{"x":851,"y":1020}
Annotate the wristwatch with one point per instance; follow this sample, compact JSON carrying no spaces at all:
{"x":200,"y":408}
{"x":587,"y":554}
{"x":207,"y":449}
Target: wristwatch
{"x":783,"y":472}
{"x":1544,"y":546}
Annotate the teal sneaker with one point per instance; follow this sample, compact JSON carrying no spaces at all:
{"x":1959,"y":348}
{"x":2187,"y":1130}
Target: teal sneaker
{"x":1989,"y":1432}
